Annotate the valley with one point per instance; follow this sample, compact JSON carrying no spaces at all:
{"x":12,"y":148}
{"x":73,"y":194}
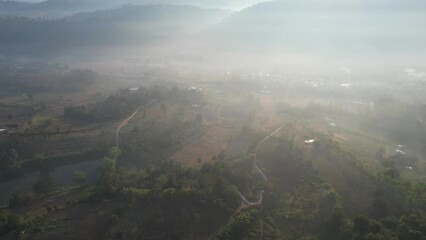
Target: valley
{"x":213,"y":120}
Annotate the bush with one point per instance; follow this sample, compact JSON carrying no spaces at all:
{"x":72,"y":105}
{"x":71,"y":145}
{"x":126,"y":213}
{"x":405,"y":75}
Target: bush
{"x":21,"y":197}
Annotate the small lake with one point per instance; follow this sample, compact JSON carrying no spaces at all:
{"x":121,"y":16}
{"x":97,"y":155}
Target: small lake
{"x":62,"y":175}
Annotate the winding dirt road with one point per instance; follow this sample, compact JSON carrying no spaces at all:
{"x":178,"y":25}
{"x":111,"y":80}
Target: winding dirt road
{"x":124,"y":123}
{"x":258,"y":202}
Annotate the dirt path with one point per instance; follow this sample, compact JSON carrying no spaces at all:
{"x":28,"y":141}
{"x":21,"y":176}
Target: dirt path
{"x":206,"y":145}
{"x":124,"y":123}
{"x":260,"y":200}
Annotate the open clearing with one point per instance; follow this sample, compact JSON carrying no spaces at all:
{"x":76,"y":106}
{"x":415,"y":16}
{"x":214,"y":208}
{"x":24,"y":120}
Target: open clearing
{"x":205,"y":147}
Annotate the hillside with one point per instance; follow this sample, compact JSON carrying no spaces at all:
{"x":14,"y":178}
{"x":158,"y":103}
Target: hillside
{"x":126,"y":25}
{"x":186,"y":120}
{"x":279,"y":27}
{"x":211,"y":160}
{"x":63,"y":8}
{"x":349,"y":27}
{"x":12,"y":6}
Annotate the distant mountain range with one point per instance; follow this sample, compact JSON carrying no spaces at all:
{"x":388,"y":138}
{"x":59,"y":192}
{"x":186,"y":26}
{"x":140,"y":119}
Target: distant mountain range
{"x":121,"y":26}
{"x":329,"y":25}
{"x":63,"y":8}
{"x":153,"y":13}
{"x":12,"y":6}
{"x":359,"y":27}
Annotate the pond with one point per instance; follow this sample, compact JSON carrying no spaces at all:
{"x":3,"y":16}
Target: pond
{"x":62,"y":175}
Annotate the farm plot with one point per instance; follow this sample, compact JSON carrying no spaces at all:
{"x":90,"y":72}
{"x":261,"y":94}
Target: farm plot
{"x":204,"y":147}
{"x":209,"y":113}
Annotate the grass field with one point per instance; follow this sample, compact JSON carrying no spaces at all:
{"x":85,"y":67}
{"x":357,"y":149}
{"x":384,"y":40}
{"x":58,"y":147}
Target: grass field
{"x":205,"y":147}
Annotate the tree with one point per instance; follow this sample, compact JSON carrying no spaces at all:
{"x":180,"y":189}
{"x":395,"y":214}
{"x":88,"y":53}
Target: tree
{"x":379,"y":207}
{"x":80,"y":177}
{"x":334,"y":224}
{"x":361,"y":224}
{"x":380,"y":154}
{"x":45,"y":184}
{"x":20,"y":197}
{"x":14,"y":160}
{"x":109,"y":177}
{"x":388,"y":163}
{"x":390,"y":222}
{"x":108,"y":180}
{"x":42,"y":162}
{"x":107,"y":168}
{"x":12,"y":222}
{"x":114,"y":153}
{"x":392,"y":173}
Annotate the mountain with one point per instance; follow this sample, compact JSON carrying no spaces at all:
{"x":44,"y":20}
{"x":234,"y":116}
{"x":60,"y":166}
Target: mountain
{"x":63,"y":8}
{"x":327,"y":26}
{"x":104,"y":4}
{"x":152,"y":13}
{"x":330,"y":27}
{"x":60,"y":8}
{"x":12,"y":6}
{"x":121,"y":26}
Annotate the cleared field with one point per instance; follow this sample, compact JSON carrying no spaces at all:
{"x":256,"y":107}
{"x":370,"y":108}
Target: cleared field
{"x":205,"y":147}
{"x":364,"y":145}
{"x":210,"y":113}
